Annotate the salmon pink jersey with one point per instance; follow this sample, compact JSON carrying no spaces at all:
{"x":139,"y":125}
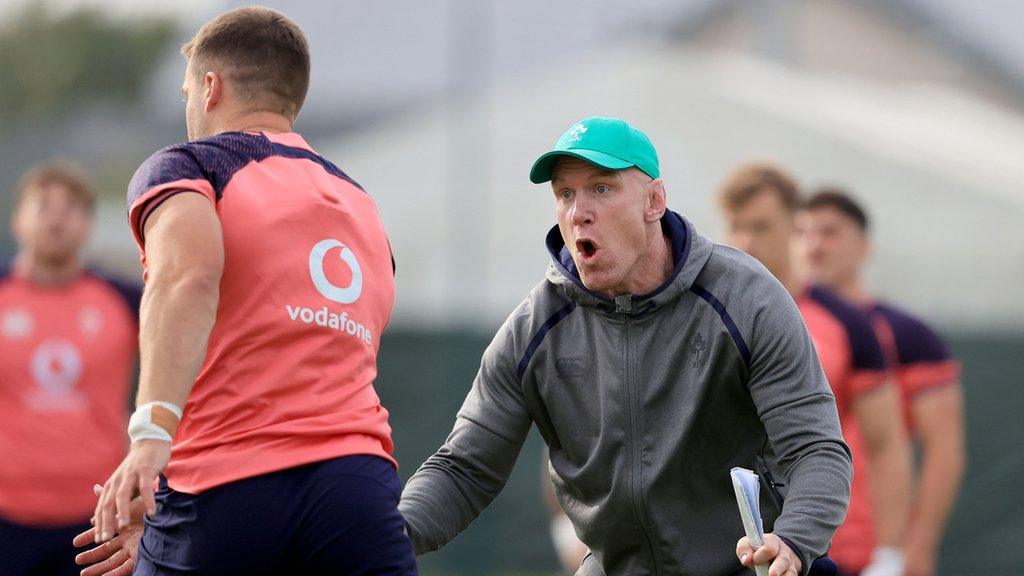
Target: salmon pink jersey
{"x":854,"y":363}
{"x":919,"y":358}
{"x":67,"y":356}
{"x":307,"y":290}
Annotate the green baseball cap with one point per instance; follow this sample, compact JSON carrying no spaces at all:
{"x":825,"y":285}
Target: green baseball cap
{"x":606,"y":142}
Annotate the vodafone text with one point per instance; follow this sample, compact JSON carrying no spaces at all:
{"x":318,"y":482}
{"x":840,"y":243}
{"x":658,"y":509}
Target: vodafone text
{"x":324,"y":317}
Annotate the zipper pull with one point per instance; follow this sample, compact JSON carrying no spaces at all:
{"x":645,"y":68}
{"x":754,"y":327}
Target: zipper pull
{"x":624,"y":304}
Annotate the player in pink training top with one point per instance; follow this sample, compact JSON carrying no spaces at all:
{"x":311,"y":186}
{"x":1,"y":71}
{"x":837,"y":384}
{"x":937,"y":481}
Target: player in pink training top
{"x":759,"y":203}
{"x":269,"y":281}
{"x":67,"y":353}
{"x":836,"y":245}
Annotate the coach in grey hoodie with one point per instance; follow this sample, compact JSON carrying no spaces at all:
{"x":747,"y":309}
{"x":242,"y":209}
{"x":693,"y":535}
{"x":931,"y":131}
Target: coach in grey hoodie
{"x":652,"y":361}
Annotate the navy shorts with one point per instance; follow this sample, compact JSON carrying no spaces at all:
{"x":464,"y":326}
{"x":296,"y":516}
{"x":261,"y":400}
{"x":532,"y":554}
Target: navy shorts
{"x":38,"y":551}
{"x":337,"y":517}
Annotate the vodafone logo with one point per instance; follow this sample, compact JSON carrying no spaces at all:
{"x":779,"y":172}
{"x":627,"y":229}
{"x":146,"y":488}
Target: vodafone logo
{"x":341,"y":295}
{"x":56,"y":367}
{"x":340,"y":321}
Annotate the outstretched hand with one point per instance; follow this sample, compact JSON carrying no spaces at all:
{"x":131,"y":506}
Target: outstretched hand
{"x":117,"y":556}
{"x":136,"y":475}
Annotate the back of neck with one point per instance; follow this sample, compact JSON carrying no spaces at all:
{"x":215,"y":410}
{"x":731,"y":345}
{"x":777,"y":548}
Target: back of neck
{"x":260,"y":121}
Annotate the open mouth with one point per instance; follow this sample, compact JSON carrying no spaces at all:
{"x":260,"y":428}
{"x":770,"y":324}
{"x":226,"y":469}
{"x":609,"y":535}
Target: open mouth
{"x":587,"y":249}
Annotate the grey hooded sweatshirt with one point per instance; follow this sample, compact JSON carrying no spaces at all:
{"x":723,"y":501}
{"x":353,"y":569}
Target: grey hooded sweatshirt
{"x":646,"y":402}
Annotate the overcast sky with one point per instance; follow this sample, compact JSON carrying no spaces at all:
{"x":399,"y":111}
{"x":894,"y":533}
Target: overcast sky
{"x":115,"y":7}
{"x":994,"y":24}
{"x":372,"y":56}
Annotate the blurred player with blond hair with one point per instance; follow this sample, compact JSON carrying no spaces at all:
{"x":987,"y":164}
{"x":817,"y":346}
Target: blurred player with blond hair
{"x":835,"y":243}
{"x":759,"y":203}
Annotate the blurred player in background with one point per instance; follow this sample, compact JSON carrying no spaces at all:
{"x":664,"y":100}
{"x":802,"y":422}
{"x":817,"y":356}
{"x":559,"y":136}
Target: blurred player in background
{"x":835,"y":244}
{"x":67,"y":355}
{"x":652,"y":361}
{"x":269,"y":280}
{"x":759,"y":203}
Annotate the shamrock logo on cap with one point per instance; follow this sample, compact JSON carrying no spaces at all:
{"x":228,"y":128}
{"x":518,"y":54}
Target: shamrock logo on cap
{"x":576,"y":132}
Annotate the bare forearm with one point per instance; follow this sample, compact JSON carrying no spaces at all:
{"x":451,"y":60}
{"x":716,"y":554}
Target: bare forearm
{"x":177,"y":316}
{"x":938,"y":415}
{"x":887,"y":450}
{"x":936,"y":490}
{"x":890,"y":481}
{"x":185,"y":250}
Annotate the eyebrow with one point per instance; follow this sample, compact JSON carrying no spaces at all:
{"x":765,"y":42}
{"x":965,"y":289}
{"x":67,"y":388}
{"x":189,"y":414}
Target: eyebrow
{"x":601,"y":175}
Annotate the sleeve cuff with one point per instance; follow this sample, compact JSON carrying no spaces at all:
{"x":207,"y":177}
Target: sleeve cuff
{"x":923,"y":377}
{"x":142,"y":207}
{"x":864,"y":381}
{"x":804,"y":565}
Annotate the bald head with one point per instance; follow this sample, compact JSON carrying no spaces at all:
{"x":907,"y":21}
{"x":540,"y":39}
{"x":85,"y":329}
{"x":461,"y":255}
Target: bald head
{"x":610,"y":223}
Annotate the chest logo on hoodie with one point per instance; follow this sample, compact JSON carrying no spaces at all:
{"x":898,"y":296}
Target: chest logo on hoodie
{"x":570,"y":367}
{"x":699,"y":346}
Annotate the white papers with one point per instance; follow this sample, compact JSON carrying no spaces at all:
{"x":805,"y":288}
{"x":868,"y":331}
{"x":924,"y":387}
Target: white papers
{"x":748,"y":491}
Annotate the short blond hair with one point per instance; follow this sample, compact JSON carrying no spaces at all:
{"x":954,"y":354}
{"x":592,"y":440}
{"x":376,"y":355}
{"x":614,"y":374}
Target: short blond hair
{"x":750,"y":179}
{"x":63,"y":173}
{"x":263,"y":52}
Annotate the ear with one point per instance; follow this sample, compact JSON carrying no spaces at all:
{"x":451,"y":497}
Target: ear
{"x":213,"y":89}
{"x":16,"y":224}
{"x":655,"y":206}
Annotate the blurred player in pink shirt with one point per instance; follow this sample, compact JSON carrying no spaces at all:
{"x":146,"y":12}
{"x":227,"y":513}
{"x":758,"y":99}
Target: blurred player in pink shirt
{"x":759,"y":203}
{"x":67,"y":354}
{"x":269,"y":280}
{"x":835,"y":244}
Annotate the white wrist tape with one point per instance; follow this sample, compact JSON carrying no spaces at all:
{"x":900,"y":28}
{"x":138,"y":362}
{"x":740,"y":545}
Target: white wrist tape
{"x":141,"y":426}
